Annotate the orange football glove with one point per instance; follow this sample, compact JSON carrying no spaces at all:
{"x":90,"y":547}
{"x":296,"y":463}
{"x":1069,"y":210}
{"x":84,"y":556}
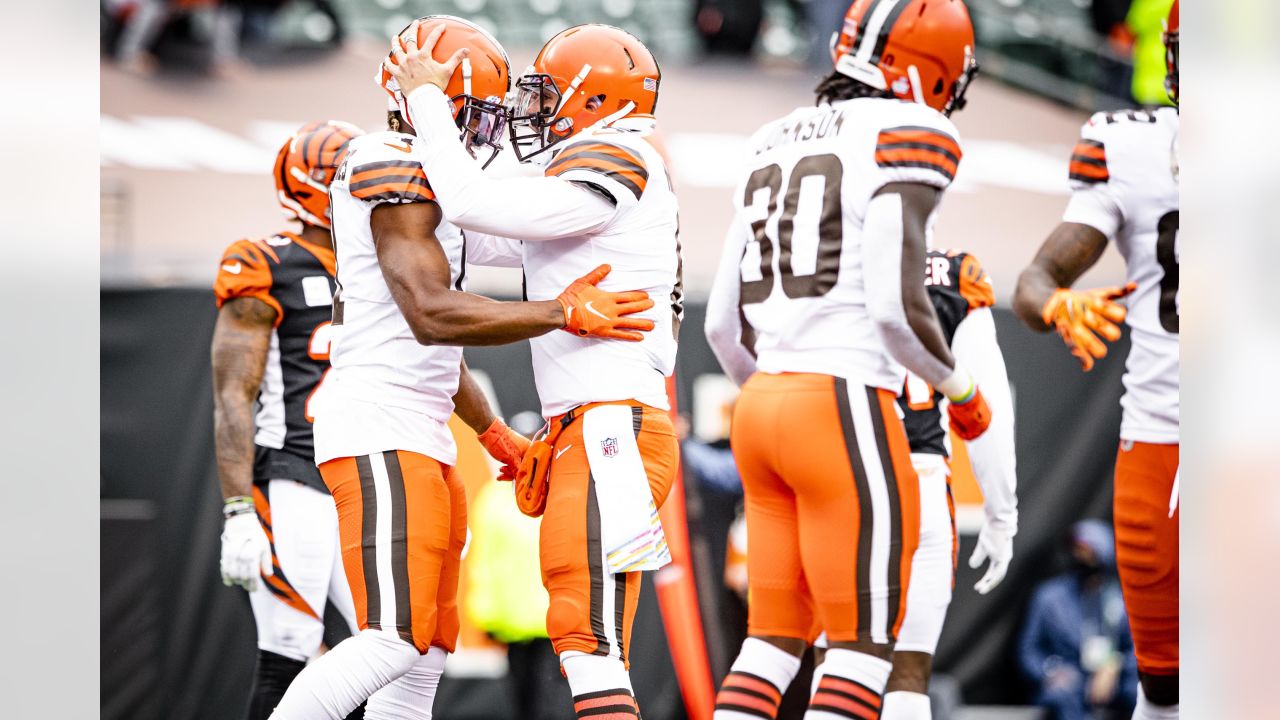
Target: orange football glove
{"x":972,"y":417}
{"x":588,"y":310}
{"x":506,"y":446}
{"x":533,"y":480}
{"x":1078,"y":314}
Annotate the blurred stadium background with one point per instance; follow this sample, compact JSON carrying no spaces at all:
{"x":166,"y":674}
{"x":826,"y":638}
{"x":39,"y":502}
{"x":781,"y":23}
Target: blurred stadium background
{"x":197,"y":95}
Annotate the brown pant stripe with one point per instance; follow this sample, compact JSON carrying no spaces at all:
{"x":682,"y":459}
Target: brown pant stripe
{"x":866,"y":518}
{"x":893,"y":490}
{"x":368,"y":542}
{"x":595,"y":563}
{"x":399,"y":546}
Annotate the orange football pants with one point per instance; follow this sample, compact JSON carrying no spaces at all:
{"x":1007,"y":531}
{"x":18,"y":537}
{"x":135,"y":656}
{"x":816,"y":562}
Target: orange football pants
{"x":832,"y":507}
{"x":402,"y":522}
{"x":591,"y":610}
{"x":1147,"y":551}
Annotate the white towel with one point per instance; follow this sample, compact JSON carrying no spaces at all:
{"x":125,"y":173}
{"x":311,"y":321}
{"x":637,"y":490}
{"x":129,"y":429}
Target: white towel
{"x":630,"y":532}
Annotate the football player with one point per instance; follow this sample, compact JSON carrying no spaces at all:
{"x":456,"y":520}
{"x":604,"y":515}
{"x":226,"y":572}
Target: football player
{"x":1124,"y":181}
{"x":817,"y":306}
{"x":400,"y":318}
{"x":962,"y":296}
{"x":584,"y":110}
{"x":271,"y":347}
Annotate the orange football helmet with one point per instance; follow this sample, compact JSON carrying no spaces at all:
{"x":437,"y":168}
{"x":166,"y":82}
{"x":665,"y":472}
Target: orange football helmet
{"x":915,"y":50}
{"x":585,"y":74}
{"x":1171,"y":52}
{"x":305,"y":166}
{"x":477,"y":87}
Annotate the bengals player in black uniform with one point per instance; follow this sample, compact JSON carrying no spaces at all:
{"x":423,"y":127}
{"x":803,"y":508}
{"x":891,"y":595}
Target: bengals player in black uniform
{"x":962,"y":296}
{"x":270,"y":352}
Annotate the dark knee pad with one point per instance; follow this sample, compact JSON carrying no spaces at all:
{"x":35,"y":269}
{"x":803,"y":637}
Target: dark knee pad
{"x":1160,"y":689}
{"x":271,"y":678}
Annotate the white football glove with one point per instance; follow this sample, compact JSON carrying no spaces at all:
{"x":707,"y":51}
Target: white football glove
{"x":246,"y":552}
{"x":995,"y":543}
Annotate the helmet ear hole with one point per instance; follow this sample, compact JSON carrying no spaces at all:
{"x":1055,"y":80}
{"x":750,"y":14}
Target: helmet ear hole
{"x":937,"y":87}
{"x":595,"y":102}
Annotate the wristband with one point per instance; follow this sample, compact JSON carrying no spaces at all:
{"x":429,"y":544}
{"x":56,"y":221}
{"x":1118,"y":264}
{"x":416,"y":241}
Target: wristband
{"x":958,"y":387}
{"x":238,"y":505}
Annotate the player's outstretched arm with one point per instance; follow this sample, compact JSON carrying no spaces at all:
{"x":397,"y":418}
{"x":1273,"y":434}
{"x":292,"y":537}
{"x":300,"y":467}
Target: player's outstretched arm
{"x":417,"y":273}
{"x":504,"y":444}
{"x":1044,"y":298}
{"x":894,"y":250}
{"x":241,"y":342}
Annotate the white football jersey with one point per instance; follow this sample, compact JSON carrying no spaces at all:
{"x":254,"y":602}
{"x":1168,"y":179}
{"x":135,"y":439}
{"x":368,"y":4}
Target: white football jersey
{"x":1124,"y":178}
{"x":641,"y":244}
{"x":385,"y":390}
{"x":798,"y":230}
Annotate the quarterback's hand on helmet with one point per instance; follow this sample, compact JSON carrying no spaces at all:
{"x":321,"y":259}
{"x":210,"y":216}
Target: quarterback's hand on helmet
{"x":506,"y":446}
{"x":588,"y":310}
{"x":414,"y":67}
{"x":995,"y":545}
{"x":246,"y":552}
{"x":1079,"y":314}
{"x":971,"y":416}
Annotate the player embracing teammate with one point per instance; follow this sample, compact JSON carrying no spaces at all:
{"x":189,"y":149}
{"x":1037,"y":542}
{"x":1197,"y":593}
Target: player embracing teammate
{"x":409,"y":207}
{"x":598,"y":474}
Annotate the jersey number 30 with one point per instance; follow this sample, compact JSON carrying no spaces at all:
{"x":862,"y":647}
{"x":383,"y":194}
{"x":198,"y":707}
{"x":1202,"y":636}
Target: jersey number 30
{"x":830,"y":228}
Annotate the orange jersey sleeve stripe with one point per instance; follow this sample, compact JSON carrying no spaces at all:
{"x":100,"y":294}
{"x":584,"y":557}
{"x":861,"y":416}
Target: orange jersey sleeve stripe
{"x":924,"y":157}
{"x":391,"y":180}
{"x":924,"y":136}
{"x":614,"y":162}
{"x":919,"y":147}
{"x":1089,"y":162}
{"x":1091,"y":149}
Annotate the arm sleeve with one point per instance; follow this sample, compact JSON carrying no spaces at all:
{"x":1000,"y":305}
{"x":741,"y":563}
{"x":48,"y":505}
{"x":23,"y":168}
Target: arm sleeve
{"x":494,"y":250}
{"x":530,"y":208}
{"x":992,"y":454}
{"x":926,"y":154}
{"x":245,"y":271}
{"x":882,"y":260}
{"x":724,"y":319}
{"x":1094,"y":199}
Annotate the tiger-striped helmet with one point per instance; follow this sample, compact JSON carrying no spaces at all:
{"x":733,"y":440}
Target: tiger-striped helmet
{"x":306,"y":165}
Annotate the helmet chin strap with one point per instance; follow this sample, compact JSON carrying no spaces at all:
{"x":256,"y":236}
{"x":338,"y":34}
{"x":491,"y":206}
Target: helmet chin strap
{"x":610,"y":119}
{"x":466,"y":76}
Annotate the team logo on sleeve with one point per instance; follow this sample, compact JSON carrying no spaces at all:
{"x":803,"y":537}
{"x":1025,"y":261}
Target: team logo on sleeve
{"x":609,"y":447}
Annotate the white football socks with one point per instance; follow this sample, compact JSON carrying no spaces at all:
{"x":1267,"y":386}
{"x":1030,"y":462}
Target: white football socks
{"x":901,"y":705}
{"x":337,"y":682}
{"x":850,"y":683}
{"x":600,"y":685}
{"x":1146,"y":711}
{"x":756,"y":682}
{"x":411,"y":696}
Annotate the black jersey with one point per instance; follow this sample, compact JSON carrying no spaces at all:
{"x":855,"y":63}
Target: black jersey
{"x":957,"y":285}
{"x":295,"y":278}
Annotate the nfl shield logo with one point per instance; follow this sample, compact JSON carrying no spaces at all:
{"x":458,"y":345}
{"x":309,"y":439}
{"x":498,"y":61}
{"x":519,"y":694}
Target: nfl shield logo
{"x":609,"y":446}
